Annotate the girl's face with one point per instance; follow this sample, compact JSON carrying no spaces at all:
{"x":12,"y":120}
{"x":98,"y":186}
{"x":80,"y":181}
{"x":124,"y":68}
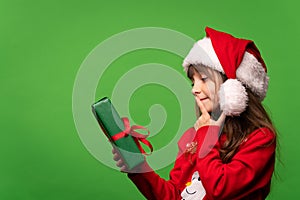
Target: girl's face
{"x":205,"y":90}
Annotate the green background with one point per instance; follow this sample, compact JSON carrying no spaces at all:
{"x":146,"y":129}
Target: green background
{"x":42,"y":45}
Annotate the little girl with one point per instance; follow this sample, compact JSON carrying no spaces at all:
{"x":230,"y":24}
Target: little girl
{"x":230,"y":151}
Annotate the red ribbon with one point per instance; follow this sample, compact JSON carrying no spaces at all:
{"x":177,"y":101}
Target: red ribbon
{"x":136,"y":136}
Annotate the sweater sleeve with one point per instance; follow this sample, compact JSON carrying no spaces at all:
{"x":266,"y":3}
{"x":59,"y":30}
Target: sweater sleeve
{"x":249,"y":171}
{"x":152,"y":186}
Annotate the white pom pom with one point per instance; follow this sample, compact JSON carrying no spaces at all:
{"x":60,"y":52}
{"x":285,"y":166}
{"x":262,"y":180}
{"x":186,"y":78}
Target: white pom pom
{"x":233,"y":97}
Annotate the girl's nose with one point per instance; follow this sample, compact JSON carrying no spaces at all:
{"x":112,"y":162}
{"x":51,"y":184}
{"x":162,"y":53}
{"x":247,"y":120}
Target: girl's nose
{"x":196,"y":90}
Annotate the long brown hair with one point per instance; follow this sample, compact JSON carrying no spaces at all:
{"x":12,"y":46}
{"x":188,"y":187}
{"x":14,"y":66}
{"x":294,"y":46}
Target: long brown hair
{"x":237,"y":128}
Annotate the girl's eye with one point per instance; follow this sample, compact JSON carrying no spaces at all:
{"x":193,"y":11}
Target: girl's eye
{"x":192,"y":84}
{"x":204,"y":78}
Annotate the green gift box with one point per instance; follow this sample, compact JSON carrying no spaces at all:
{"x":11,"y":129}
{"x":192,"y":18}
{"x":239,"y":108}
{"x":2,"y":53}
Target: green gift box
{"x":113,"y":127}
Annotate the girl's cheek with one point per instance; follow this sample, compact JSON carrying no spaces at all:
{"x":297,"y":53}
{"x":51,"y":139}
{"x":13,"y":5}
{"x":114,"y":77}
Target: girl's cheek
{"x":211,"y":89}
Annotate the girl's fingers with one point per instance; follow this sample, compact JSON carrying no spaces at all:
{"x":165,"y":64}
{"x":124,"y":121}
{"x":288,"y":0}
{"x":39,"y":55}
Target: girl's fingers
{"x":123,"y":169}
{"x":205,"y":116}
{"x":202,"y":107}
{"x":116,"y":154}
{"x":116,"y":157}
{"x":114,"y":150}
{"x":120,"y":163}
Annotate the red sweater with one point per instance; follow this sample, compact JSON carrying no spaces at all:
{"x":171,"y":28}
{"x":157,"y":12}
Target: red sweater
{"x":246,"y":176}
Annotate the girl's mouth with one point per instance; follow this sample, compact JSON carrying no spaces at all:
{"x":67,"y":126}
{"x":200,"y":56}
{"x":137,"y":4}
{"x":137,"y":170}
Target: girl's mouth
{"x":203,"y":99}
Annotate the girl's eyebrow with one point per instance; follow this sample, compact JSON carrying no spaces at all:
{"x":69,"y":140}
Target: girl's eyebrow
{"x":202,"y":74}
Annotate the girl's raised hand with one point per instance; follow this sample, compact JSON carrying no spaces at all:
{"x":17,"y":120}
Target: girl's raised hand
{"x":205,"y":118}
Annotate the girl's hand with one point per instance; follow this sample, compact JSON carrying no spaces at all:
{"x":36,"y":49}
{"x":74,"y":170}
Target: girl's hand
{"x":119,"y":162}
{"x":205,"y":118}
{"x":141,"y":168}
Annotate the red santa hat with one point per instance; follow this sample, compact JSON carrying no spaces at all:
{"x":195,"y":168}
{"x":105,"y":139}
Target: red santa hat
{"x":239,"y":59}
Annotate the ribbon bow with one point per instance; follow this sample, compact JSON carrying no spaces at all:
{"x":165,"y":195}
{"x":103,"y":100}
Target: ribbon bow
{"x":135,"y":135}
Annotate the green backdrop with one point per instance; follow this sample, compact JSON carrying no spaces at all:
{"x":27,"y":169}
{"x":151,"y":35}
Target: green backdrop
{"x":44,"y":43}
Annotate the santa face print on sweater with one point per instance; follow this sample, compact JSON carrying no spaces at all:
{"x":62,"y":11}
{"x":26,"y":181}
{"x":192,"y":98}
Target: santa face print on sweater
{"x":194,"y":189}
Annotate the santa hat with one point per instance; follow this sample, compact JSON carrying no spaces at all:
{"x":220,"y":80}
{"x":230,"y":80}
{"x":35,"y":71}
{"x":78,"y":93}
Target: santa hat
{"x":239,"y":59}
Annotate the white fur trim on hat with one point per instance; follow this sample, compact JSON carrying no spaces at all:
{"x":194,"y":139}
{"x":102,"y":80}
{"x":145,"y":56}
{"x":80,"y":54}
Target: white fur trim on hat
{"x":253,"y":75}
{"x":233,"y":97}
{"x":203,"y":53}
